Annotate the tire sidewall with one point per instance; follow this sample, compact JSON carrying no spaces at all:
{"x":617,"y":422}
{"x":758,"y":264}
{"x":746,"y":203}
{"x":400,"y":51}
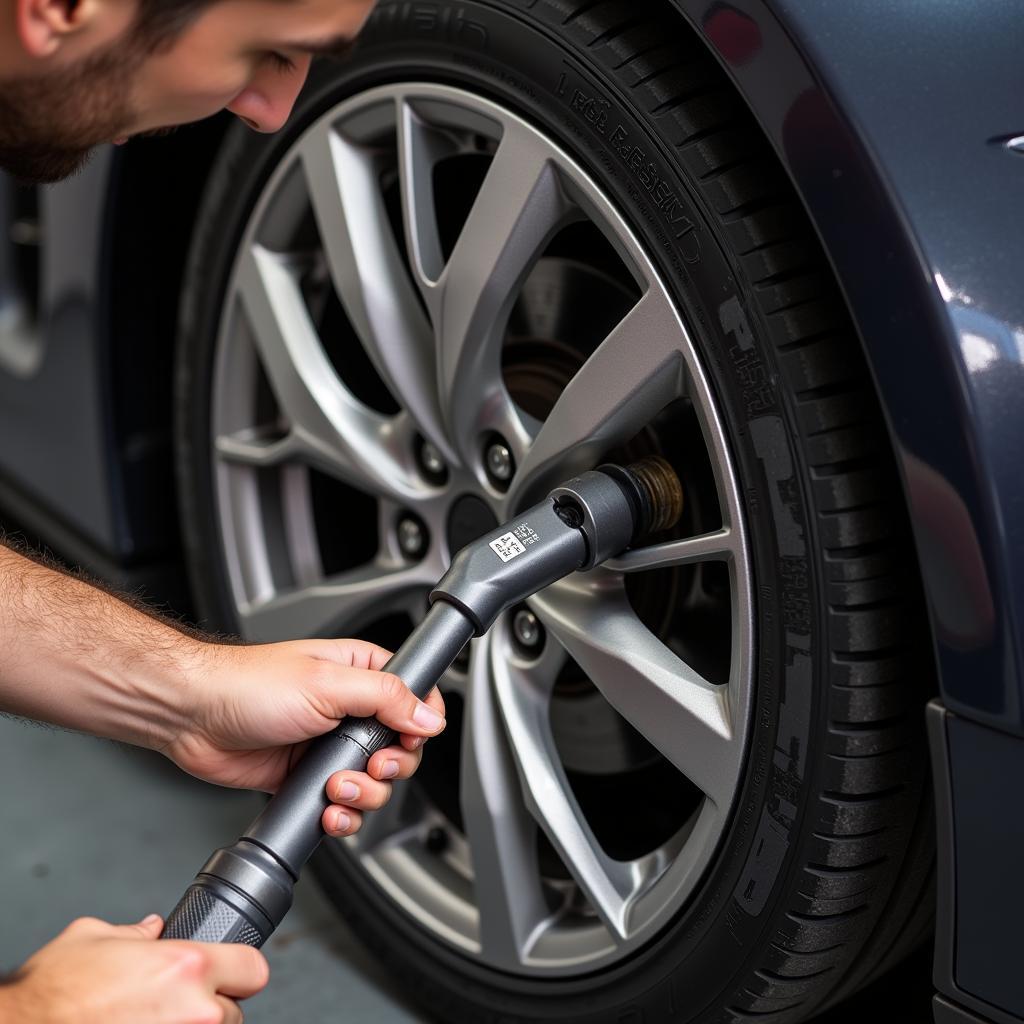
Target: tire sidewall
{"x":689,"y":971}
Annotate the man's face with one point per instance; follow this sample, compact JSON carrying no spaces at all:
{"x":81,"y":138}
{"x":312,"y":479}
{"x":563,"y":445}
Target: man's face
{"x":247,"y":56}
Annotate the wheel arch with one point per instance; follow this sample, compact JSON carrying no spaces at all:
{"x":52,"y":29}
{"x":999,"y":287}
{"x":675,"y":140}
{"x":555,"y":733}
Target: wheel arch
{"x":785,"y":60}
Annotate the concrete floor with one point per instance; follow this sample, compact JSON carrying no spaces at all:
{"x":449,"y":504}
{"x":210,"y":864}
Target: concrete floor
{"x":90,"y":827}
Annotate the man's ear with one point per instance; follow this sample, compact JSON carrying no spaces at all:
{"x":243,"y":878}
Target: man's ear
{"x":45,"y":25}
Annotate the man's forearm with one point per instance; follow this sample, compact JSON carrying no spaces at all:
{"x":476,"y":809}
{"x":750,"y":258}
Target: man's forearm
{"x":75,"y":656}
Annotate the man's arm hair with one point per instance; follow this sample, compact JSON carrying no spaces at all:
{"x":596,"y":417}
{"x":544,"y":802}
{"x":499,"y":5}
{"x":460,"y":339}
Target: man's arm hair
{"x":75,"y":654}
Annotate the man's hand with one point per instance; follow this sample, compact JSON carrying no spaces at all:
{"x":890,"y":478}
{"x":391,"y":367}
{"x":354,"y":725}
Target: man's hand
{"x":253,"y":709}
{"x":99,"y":973}
{"x":76,"y":656}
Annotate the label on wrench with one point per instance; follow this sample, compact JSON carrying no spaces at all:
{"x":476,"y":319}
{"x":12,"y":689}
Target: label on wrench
{"x":506,"y":547}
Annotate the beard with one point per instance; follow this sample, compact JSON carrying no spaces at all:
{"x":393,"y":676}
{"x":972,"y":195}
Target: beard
{"x":50,"y":123}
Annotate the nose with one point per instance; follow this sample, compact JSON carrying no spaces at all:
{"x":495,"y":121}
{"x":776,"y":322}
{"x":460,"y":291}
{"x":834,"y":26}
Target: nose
{"x":265,"y":103}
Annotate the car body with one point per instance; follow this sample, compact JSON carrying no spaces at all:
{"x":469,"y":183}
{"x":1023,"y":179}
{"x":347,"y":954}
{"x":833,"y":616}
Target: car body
{"x":897,"y":124}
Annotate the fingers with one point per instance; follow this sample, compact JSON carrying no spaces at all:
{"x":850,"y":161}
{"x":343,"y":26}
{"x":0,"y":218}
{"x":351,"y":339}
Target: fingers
{"x":370,"y":790}
{"x":341,"y":821}
{"x":235,"y":970}
{"x":363,"y":693}
{"x":366,"y":793}
{"x":351,"y":792}
{"x":231,"y":1010}
{"x":394,"y":763}
{"x":354,"y":653}
{"x":149,"y":927}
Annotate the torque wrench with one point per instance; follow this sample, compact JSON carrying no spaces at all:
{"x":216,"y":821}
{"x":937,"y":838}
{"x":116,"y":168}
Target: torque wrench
{"x":244,"y":890}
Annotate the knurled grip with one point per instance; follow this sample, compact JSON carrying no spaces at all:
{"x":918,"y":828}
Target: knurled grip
{"x":369,"y":733}
{"x":201,"y":916}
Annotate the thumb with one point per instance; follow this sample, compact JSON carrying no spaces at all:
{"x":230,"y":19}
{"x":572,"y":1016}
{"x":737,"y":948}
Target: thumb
{"x":149,"y":927}
{"x":364,"y":693}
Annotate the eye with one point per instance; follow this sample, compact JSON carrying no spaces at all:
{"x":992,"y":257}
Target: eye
{"x":280,"y":61}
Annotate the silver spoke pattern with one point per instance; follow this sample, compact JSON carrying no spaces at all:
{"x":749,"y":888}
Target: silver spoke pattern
{"x":523,"y":701}
{"x":637,"y":370}
{"x":502,"y":836}
{"x":681,"y":714}
{"x":717,"y":546}
{"x":369,"y":273}
{"x":435,"y":332}
{"x":351,"y":598}
{"x":420,"y":147}
{"x":519,"y":207}
{"x":249,"y":448}
{"x":327,"y":425}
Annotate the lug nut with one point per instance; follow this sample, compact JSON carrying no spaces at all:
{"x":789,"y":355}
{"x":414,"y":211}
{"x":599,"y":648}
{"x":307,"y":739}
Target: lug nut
{"x":528,"y":631}
{"x":412,"y":536}
{"x":499,"y":463}
{"x":432,"y":463}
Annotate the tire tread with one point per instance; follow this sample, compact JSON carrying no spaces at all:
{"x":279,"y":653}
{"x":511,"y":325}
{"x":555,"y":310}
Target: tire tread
{"x":874,"y":781}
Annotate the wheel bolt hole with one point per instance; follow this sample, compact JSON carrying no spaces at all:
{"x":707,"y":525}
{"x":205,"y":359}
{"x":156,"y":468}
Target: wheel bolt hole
{"x":499,"y":465}
{"x":412,"y":535}
{"x":431,"y":462}
{"x":437,"y":840}
{"x":528,"y":632}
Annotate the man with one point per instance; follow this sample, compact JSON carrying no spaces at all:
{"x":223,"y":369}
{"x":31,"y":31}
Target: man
{"x":74,"y":74}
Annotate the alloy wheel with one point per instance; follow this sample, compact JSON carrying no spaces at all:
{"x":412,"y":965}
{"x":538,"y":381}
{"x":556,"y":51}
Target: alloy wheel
{"x":435,"y":314}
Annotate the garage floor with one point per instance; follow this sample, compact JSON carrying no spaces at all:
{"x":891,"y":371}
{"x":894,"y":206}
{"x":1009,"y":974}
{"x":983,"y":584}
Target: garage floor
{"x":90,"y":827}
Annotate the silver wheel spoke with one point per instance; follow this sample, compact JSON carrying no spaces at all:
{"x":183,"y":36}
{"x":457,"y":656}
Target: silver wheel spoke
{"x":519,"y":206}
{"x":248,"y":448}
{"x":369,"y":273}
{"x":350,"y":598}
{"x":634,"y":372}
{"x":327,"y":424}
{"x":681,"y":714}
{"x":420,"y":147}
{"x":718,"y":546}
{"x":502,"y":835}
{"x":608,"y":884}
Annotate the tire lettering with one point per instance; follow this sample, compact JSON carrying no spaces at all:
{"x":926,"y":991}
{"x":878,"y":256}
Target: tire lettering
{"x":772,"y":448}
{"x":596,"y":110}
{"x":794,"y":721}
{"x":436,"y":20}
{"x":757,"y":383}
{"x":762,"y":867}
{"x":734,"y":321}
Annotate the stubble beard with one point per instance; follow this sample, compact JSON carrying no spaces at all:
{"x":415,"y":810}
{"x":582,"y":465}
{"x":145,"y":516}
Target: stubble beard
{"x":50,"y":123}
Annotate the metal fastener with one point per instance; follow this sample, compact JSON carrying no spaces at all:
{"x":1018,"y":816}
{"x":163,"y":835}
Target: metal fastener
{"x":412,"y":537}
{"x":527,"y":630}
{"x":431,"y":460}
{"x":499,"y":462}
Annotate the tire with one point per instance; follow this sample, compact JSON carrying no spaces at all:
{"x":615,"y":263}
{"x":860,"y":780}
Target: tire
{"x":822,"y":878}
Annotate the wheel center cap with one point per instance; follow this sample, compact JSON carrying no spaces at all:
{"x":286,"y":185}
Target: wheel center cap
{"x":470,"y":517}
